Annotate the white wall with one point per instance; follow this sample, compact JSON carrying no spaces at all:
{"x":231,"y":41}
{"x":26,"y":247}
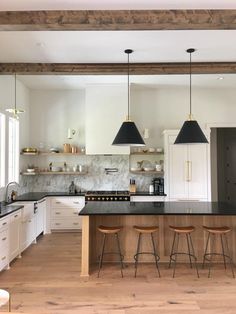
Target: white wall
{"x":52,"y":112}
{"x":7,"y":100}
{"x":167,"y":108}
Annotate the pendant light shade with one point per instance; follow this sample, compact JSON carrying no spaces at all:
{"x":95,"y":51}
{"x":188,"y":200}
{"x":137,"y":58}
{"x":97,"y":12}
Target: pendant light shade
{"x":15,"y":112}
{"x":191,"y":132}
{"x":128,"y":134}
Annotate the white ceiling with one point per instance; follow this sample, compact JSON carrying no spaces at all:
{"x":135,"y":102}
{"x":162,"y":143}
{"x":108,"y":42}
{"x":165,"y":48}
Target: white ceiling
{"x":18,"y":5}
{"x":52,"y":82}
{"x":108,"y":46}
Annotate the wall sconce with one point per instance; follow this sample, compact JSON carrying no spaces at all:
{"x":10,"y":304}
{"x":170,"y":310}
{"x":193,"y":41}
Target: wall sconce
{"x":146,"y":133}
{"x":70,"y":133}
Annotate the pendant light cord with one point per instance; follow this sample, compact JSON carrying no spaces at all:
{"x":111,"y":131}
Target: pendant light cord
{"x":128,"y":91}
{"x":190,"y":83}
{"x":15,"y":91}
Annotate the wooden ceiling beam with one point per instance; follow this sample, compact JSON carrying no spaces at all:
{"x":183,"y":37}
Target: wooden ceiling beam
{"x":115,"y":20}
{"x":117,"y":68}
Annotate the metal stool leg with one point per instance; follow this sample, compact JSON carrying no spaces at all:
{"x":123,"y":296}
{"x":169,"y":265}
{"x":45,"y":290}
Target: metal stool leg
{"x":210,"y":261}
{"x":231,"y":263}
{"x":193,"y":252}
{"x":102,"y":253}
{"x":204,"y":256}
{"x":137,"y":254}
{"x":189,"y":252}
{"x":119,"y":250}
{"x":172,"y":249}
{"x":176,"y":254}
{"x":223,"y":251}
{"x":155,"y":255}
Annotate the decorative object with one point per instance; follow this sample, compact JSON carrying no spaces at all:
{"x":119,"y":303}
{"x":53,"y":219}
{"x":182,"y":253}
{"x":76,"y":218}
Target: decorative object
{"x":67,"y":148}
{"x":128,"y":134}
{"x":14,"y":110}
{"x":70,"y":133}
{"x":190,"y":132}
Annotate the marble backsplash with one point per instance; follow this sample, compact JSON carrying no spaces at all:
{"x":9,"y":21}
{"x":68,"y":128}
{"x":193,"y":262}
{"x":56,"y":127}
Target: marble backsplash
{"x":95,"y":178}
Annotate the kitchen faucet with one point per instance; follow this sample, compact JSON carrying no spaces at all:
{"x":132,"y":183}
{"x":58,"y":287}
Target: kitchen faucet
{"x":9,"y":184}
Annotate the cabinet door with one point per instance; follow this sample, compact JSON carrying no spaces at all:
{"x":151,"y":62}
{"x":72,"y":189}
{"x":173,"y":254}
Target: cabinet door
{"x":14,"y":235}
{"x":41,"y":206}
{"x":27,"y":232}
{"x":198,"y":171}
{"x":106,"y":109}
{"x":177,"y":172}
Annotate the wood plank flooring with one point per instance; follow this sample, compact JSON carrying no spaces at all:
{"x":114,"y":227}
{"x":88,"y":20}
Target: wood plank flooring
{"x":47,"y":280}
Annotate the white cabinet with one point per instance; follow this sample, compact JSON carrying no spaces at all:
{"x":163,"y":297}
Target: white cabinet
{"x":4,"y":243}
{"x":186,"y":170}
{"x":39,"y":210}
{"x":28,"y":225}
{"x":147,"y":198}
{"x":14,"y":234}
{"x":64,"y":212}
{"x":106,"y":109}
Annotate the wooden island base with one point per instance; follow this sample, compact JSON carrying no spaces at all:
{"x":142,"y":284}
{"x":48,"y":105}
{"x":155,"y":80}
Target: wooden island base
{"x":92,"y":239}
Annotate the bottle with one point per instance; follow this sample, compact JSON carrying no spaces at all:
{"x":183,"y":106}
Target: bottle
{"x":13,"y":195}
{"x":72,"y":188}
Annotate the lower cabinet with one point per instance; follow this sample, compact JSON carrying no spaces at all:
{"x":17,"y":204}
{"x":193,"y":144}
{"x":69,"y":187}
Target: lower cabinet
{"x":14,"y":235}
{"x":4,"y":242}
{"x":28,"y":232}
{"x":65,"y":213}
{"x":40,"y":211}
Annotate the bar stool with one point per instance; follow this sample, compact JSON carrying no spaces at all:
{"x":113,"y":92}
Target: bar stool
{"x":141,"y":231}
{"x":217,"y":231}
{"x":5,"y":298}
{"x":174,"y":251}
{"x":106,"y":231}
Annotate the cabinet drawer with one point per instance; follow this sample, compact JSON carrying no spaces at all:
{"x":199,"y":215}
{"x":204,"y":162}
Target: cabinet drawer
{"x":4,"y":222}
{"x":15,"y":216}
{"x":64,"y":212}
{"x":4,"y":239}
{"x":67,"y":202}
{"x":66,"y":224}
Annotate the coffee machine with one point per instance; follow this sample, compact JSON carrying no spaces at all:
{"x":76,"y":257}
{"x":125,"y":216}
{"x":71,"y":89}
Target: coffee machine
{"x":158,"y":184}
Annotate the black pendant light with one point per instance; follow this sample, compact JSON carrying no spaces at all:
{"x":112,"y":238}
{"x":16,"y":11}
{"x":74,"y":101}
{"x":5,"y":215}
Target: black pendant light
{"x":191,"y":132}
{"x":128,"y":134}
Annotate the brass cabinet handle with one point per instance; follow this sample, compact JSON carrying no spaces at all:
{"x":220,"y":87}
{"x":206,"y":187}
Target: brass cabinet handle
{"x":57,"y":223}
{"x":58,"y":202}
{"x":5,"y":223}
{"x":15,"y":216}
{"x":4,"y":239}
{"x":75,"y":223}
{"x":75,"y":202}
{"x":29,"y":220}
{"x":75,"y":213}
{"x":57,"y":213}
{"x":4,"y":257}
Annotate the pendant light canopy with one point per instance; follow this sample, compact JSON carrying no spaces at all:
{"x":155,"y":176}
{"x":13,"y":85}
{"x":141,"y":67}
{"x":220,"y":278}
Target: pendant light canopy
{"x":190,"y":132}
{"x":14,"y":110}
{"x":128,"y":134}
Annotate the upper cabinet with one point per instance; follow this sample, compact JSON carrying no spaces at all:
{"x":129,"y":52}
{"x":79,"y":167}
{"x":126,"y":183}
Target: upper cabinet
{"x":186,"y":170}
{"x":106,"y":109}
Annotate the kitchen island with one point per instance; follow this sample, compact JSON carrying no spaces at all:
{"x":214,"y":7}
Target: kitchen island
{"x":162,"y":214}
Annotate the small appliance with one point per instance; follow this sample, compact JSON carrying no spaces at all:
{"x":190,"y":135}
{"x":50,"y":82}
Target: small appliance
{"x":158,"y":184}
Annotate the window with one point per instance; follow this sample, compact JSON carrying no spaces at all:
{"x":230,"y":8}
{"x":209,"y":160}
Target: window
{"x":2,"y":149}
{"x":13,"y":150}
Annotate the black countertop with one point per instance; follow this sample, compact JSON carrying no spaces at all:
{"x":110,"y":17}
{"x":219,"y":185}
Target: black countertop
{"x":36,"y":196}
{"x":159,"y":208}
{"x":8,"y":209}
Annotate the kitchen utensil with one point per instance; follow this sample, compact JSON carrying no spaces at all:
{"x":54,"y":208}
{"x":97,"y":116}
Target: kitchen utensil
{"x":149,"y":169}
{"x":29,"y":150}
{"x":135,"y":169}
{"x":54,"y":150}
{"x":67,"y":148}
{"x":30,"y":170}
{"x":73,"y":149}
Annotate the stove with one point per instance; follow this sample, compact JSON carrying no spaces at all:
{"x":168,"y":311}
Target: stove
{"x":107,"y":196}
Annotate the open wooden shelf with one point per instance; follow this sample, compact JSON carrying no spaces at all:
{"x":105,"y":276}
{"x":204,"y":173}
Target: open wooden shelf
{"x":147,"y":153}
{"x":52,"y":154}
{"x":53,"y":173}
{"x":147,"y":172}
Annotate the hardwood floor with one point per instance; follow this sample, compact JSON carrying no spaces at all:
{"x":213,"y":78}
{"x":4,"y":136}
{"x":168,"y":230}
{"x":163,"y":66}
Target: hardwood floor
{"x":47,"y":280}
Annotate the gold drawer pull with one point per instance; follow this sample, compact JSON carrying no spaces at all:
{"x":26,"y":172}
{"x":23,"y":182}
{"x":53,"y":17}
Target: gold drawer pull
{"x":5,"y":223}
{"x":75,"y":213}
{"x":15,"y":216}
{"x":29,"y":220}
{"x":75,"y":223}
{"x":58,"y":202}
{"x":4,"y":257}
{"x":4,"y":239}
{"x":57,"y":223}
{"x":57,"y":213}
{"x":75,"y":202}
